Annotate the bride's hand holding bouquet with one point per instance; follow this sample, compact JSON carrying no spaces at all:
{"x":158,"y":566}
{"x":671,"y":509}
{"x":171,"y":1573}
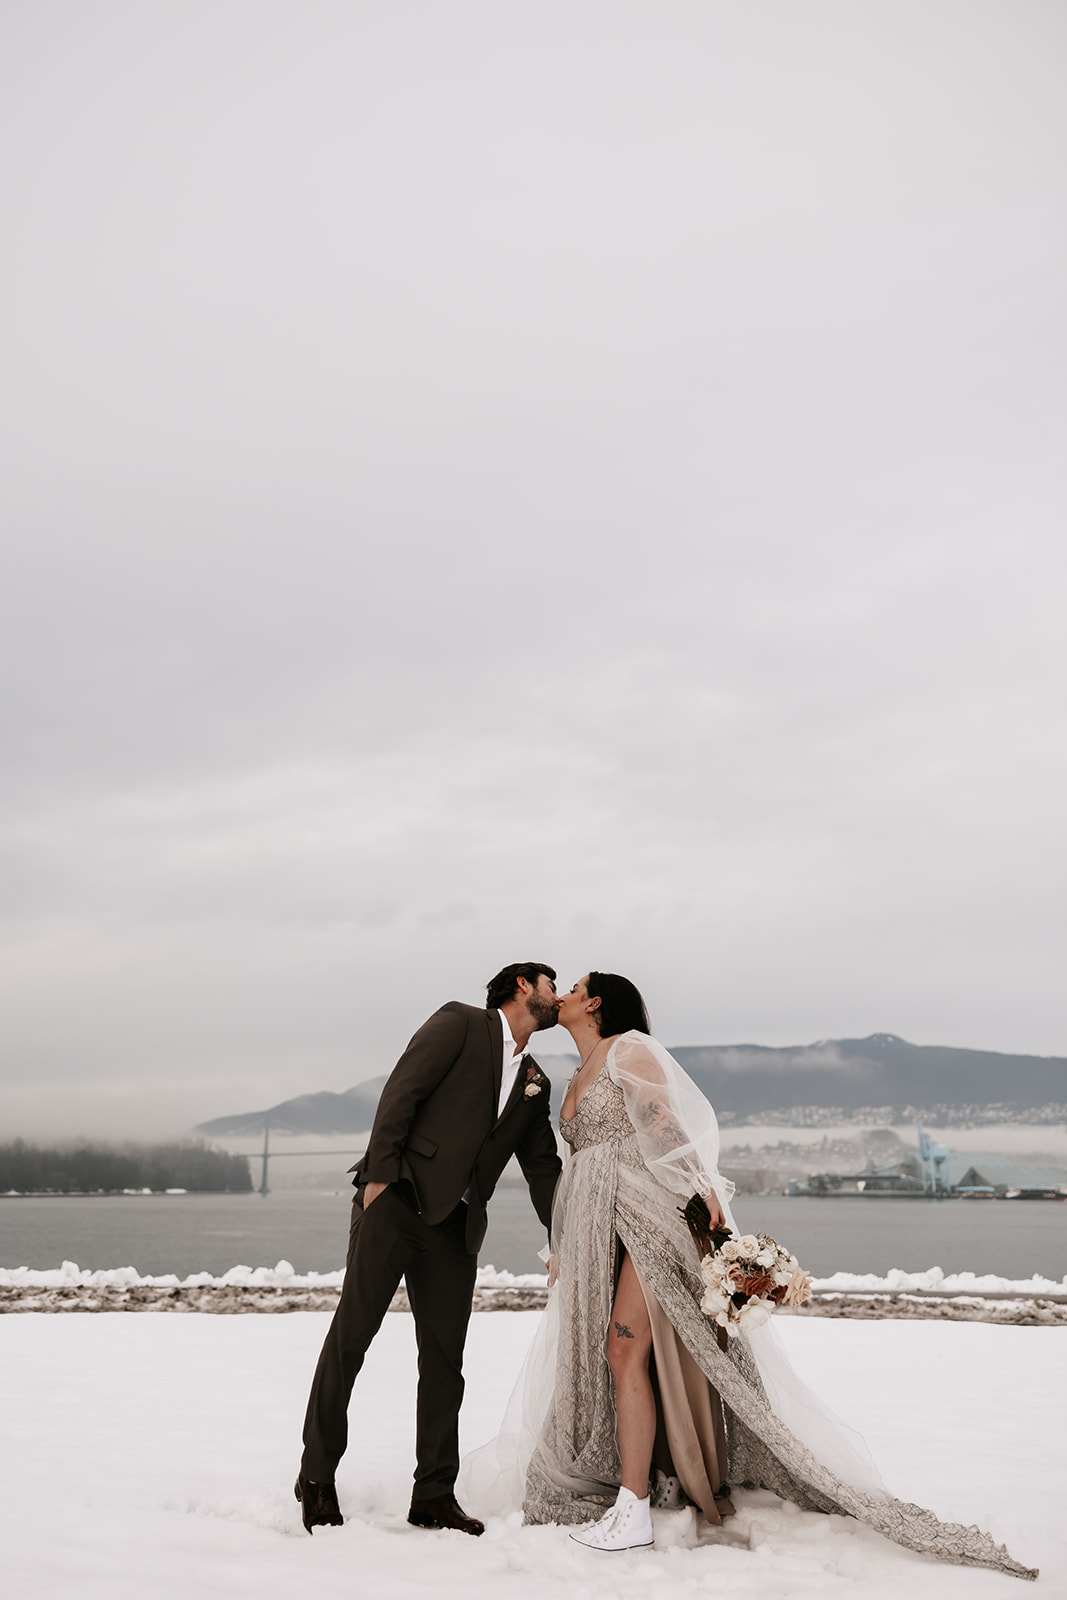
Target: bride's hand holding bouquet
{"x":745,"y":1277}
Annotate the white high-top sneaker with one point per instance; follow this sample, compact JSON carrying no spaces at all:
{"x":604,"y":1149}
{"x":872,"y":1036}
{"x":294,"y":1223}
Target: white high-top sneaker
{"x":666,"y":1492}
{"x":627,"y":1526}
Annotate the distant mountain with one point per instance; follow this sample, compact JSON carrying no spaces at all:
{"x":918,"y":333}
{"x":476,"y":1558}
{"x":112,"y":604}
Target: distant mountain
{"x":882,"y":1072}
{"x":326,"y":1113}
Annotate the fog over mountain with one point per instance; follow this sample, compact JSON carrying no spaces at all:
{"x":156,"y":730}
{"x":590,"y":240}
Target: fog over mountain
{"x":881,"y":1073}
{"x":325,"y":1113}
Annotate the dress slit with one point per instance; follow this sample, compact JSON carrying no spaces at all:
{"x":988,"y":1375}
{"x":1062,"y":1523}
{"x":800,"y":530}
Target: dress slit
{"x":689,"y":1414}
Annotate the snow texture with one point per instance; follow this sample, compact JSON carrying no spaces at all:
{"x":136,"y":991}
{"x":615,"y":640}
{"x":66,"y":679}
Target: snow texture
{"x":155,"y":1455}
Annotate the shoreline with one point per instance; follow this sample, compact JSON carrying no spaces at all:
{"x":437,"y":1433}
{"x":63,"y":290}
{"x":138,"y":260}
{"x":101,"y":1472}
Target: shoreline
{"x":217,"y":1299}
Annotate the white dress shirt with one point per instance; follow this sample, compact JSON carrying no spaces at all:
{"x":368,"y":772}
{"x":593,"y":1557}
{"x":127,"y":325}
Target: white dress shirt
{"x":513,"y":1059}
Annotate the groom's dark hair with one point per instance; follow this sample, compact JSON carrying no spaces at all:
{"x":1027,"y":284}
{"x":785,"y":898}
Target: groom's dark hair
{"x":505,"y":986}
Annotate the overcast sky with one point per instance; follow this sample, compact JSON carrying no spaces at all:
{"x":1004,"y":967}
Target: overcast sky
{"x":580,"y":482}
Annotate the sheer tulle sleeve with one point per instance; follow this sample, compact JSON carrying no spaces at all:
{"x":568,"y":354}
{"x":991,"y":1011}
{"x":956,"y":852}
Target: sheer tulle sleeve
{"x":676,"y":1129}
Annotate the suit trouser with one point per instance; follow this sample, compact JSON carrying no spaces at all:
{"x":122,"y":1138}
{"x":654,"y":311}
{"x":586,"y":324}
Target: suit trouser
{"x":387,"y":1242}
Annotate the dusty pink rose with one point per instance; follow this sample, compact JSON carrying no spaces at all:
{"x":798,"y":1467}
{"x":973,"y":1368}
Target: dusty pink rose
{"x":799,"y":1288}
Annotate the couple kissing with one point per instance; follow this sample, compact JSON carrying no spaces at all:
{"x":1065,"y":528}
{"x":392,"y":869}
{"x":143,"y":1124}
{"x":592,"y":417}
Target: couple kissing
{"x":632,"y":1399}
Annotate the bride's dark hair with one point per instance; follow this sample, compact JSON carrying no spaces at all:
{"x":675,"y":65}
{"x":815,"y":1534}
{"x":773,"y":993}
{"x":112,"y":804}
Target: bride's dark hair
{"x":621,"y":1006}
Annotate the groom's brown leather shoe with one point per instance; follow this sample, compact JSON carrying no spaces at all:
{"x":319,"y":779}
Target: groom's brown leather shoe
{"x":443,"y":1511}
{"x":318,"y":1504}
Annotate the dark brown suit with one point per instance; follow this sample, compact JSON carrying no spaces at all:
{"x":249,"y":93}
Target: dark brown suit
{"x":436,"y":1136}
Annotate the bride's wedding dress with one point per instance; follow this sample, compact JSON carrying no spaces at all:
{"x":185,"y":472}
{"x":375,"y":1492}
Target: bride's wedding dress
{"x":642,"y":1139}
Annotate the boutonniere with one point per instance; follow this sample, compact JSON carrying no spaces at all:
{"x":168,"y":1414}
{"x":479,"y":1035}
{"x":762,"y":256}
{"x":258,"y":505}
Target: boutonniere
{"x":535,"y":1082}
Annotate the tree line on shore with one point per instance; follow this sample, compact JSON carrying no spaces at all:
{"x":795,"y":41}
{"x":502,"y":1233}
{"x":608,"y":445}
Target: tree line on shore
{"x":102,"y":1169}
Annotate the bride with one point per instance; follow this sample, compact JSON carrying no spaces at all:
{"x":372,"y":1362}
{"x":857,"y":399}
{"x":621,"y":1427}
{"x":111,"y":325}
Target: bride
{"x":631,"y":1398}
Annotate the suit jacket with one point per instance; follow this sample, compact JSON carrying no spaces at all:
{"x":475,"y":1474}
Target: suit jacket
{"x":437,"y":1126}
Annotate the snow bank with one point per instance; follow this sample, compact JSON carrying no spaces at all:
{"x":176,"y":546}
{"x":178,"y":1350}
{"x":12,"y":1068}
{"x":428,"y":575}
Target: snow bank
{"x":934,"y":1281}
{"x":283,"y":1276}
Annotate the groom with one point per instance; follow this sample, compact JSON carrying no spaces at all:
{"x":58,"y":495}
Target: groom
{"x":463,"y":1098}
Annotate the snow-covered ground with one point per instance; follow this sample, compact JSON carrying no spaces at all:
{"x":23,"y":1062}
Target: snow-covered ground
{"x":155,"y":1456}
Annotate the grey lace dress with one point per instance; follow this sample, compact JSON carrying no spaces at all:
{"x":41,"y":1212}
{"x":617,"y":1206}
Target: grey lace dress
{"x":715,"y":1418}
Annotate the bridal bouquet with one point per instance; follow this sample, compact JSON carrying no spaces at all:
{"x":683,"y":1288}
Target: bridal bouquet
{"x":745,"y":1278}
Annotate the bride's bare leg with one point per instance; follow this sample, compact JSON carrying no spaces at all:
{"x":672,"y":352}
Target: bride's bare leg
{"x":629,"y":1348}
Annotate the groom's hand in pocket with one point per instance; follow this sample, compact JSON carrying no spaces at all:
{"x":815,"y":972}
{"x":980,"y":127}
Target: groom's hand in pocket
{"x":371,"y":1193}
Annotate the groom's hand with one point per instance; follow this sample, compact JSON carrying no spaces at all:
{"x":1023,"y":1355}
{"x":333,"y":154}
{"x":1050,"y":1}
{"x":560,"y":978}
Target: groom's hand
{"x":371,"y":1193}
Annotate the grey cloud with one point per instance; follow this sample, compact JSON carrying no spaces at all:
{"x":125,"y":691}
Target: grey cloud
{"x":587,"y":484}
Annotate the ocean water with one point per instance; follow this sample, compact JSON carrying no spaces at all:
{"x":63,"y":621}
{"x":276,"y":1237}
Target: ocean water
{"x":183,"y":1234}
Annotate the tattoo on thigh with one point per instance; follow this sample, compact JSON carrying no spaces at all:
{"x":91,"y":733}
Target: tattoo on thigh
{"x":622,"y":1331}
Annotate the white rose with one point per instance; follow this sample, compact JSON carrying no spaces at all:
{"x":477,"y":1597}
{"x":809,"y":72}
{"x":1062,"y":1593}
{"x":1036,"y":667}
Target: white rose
{"x":754,"y":1314}
{"x":749,"y":1244}
{"x":765,"y":1259}
{"x":731,"y":1250}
